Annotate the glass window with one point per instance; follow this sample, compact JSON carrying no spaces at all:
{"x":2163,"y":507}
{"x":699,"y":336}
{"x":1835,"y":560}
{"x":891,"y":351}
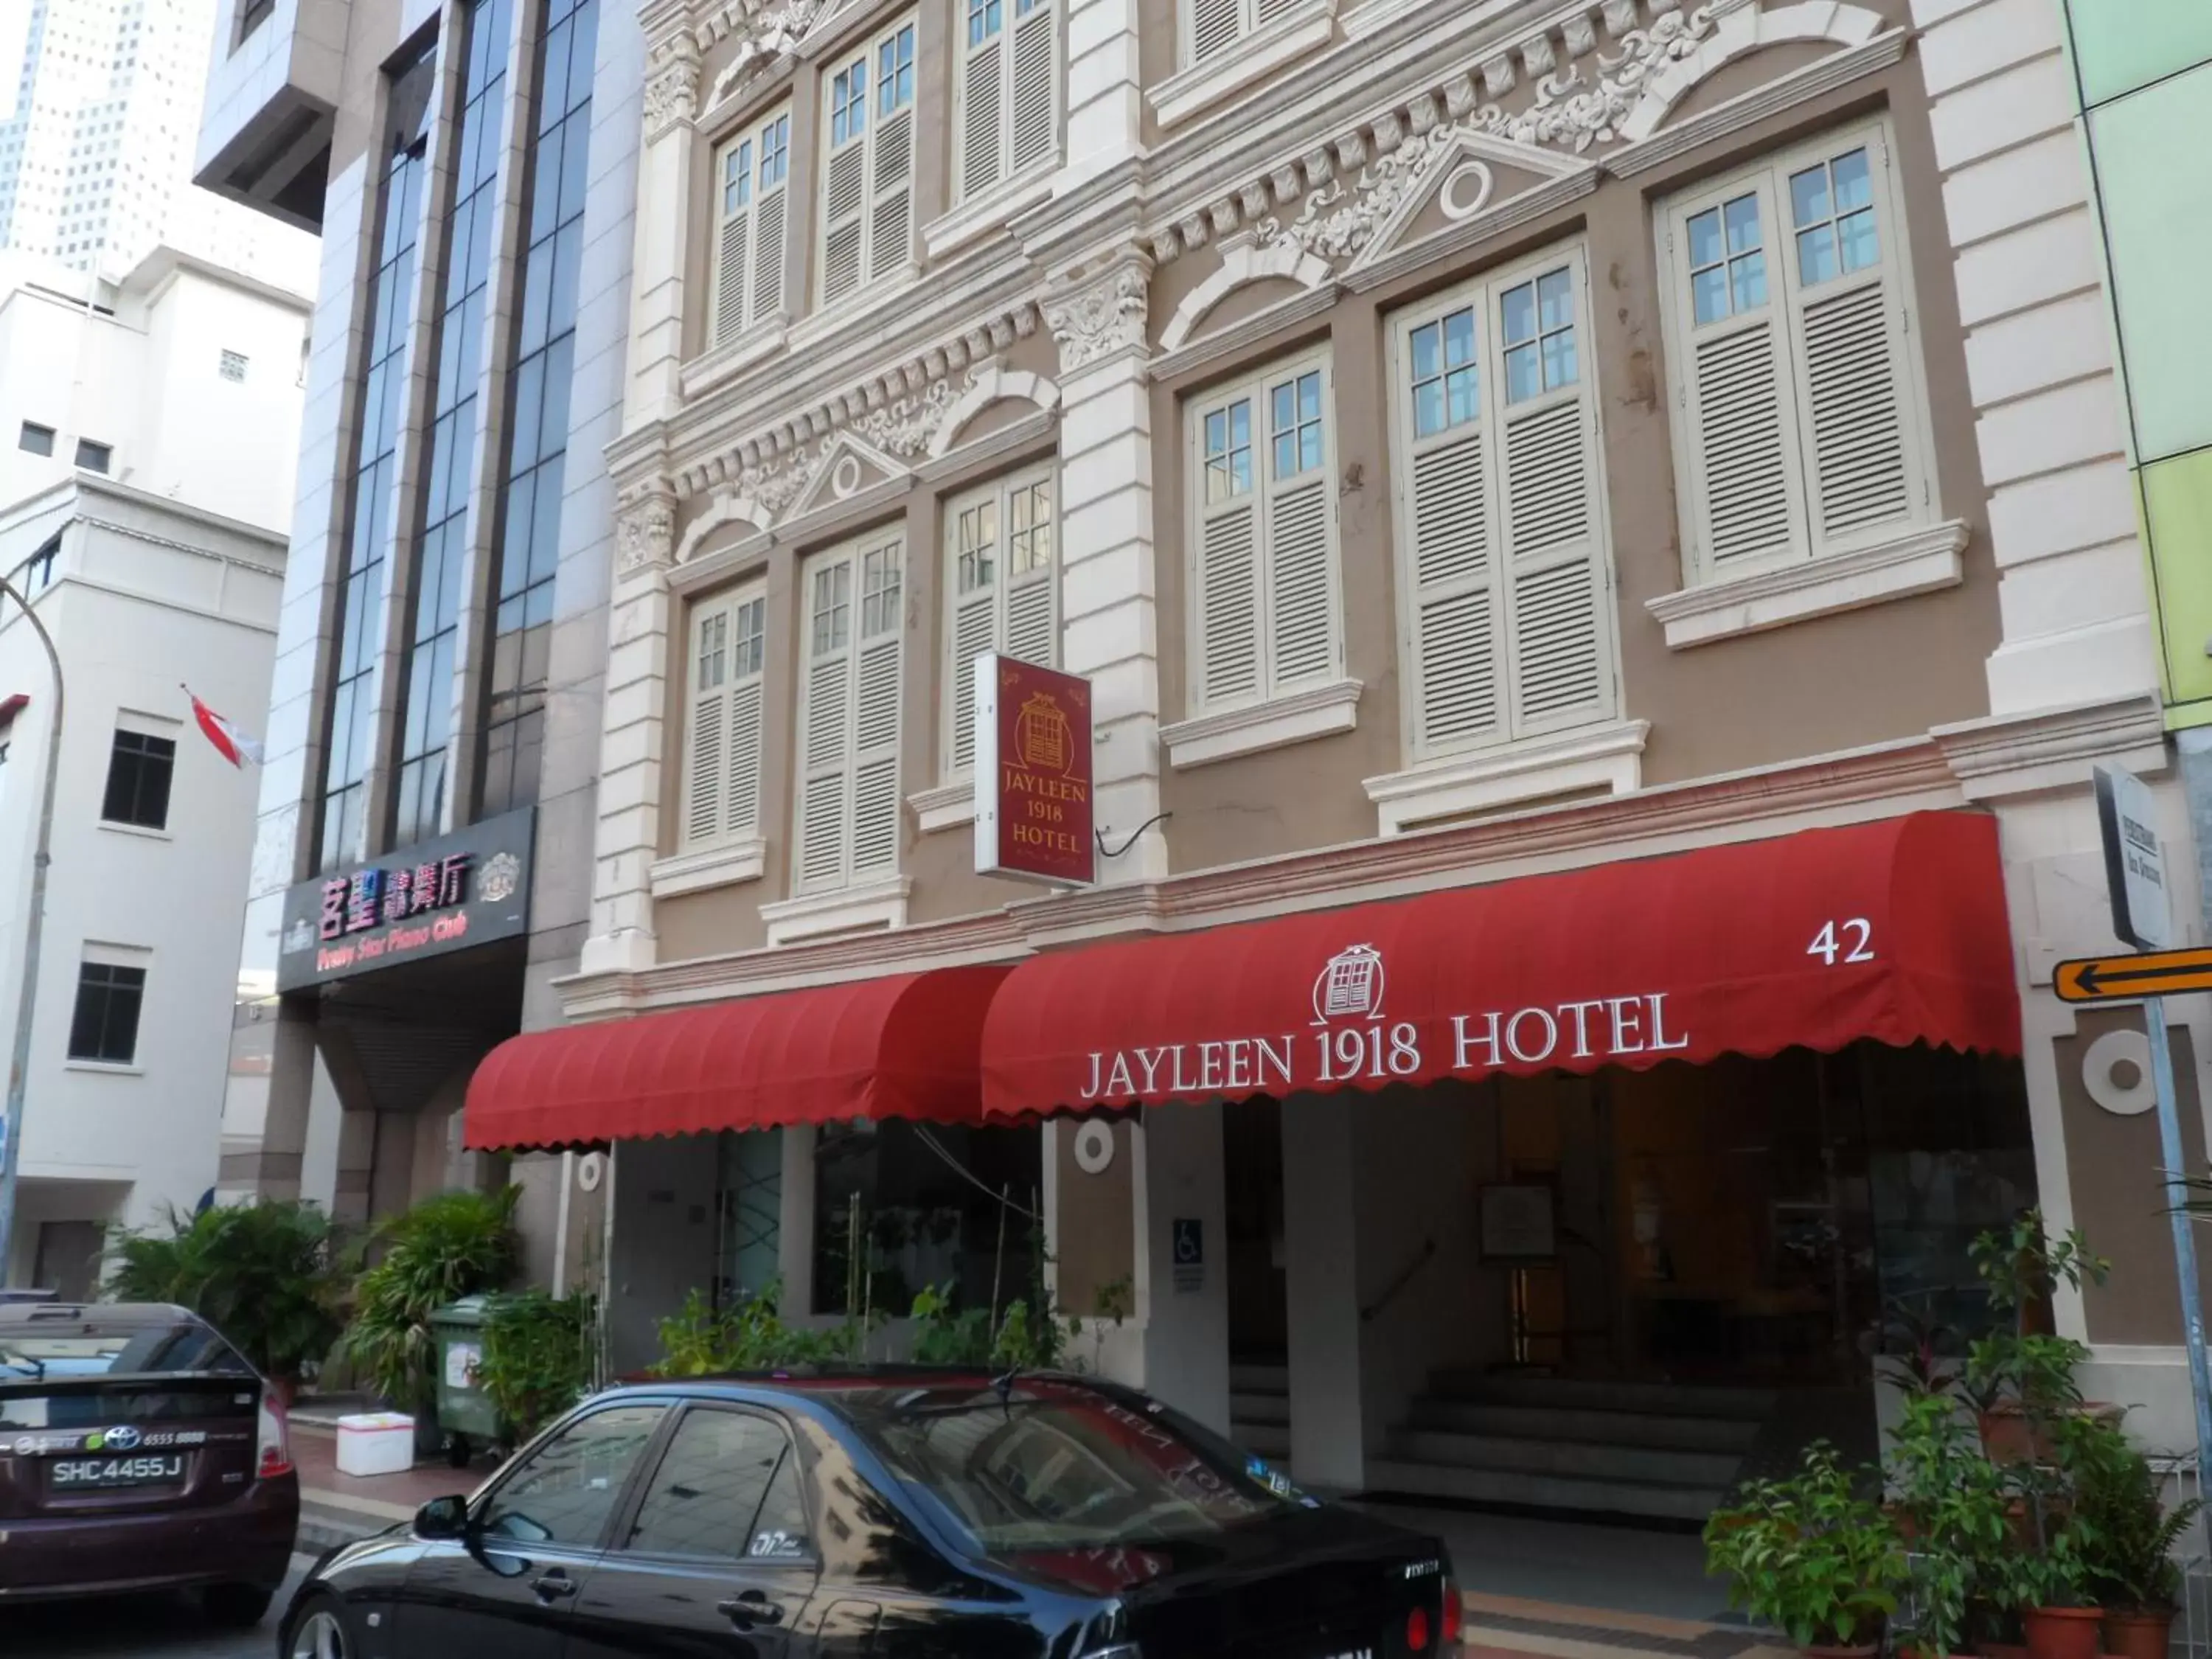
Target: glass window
{"x":1447,"y":384}
{"x":708,"y":1498}
{"x":984,"y":17}
{"x":749,"y":626}
{"x":232,"y":366}
{"x":1831,"y":209}
{"x":848,"y":103}
{"x":1229,"y":451}
{"x":898,"y":1188}
{"x":1057,"y":1465}
{"x":1029,"y":539}
{"x":1537,"y":320}
{"x":139,"y":770}
{"x":567,"y":1491}
{"x":737,"y":178}
{"x":776,"y":151}
{"x":978,"y":541}
{"x":833,"y":607}
{"x":1295,"y":423}
{"x":104,"y":1026}
{"x":713,"y":650}
{"x":1728,"y":260}
{"x":879,"y":591}
{"x":94,"y":457}
{"x":895,"y":72}
{"x":35,"y":439}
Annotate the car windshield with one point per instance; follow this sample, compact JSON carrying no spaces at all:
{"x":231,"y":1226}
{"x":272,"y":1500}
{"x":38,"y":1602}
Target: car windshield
{"x":1056,"y":1466}
{"x":88,"y":1348}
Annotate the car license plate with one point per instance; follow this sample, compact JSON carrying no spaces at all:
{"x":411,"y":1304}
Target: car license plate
{"x":103,"y":1473}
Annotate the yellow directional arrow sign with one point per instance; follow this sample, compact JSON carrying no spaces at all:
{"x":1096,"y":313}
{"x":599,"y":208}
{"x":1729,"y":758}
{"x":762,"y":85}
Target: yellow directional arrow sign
{"x":2115,"y":979}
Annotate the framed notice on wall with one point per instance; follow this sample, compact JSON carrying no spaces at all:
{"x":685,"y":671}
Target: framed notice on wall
{"x":1517,"y":1221}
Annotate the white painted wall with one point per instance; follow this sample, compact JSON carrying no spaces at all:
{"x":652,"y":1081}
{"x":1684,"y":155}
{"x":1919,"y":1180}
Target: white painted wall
{"x":132,"y":616}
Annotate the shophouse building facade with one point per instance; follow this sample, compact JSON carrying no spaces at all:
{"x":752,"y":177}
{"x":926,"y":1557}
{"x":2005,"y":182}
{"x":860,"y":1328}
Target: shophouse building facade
{"x":1577,"y":521}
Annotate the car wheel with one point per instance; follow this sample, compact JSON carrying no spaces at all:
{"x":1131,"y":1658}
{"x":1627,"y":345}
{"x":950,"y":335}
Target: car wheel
{"x":242,"y":1607}
{"x":320,"y":1634}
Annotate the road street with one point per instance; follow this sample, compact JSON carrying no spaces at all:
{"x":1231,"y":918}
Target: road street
{"x":155,"y":1627}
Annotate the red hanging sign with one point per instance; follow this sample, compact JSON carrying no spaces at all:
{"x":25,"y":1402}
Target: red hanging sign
{"x":1033,"y":772}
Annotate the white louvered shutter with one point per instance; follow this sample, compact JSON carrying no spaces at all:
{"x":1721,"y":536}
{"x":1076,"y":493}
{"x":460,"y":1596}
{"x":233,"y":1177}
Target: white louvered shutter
{"x":1035,"y":85}
{"x":982,"y":107}
{"x":1033,"y":617}
{"x":741,"y":791}
{"x":1557,"y":640}
{"x":875,"y":836}
{"x":1848,"y":326}
{"x":890,"y":193}
{"x":1454,"y":615}
{"x":1746,"y":504}
{"x":771,"y":213}
{"x":706,"y":744}
{"x":844,"y":208}
{"x":1300,"y":528}
{"x":734,"y":194}
{"x":1227,"y":570}
{"x":974,"y":630}
{"x":1214,"y":27}
{"x":825,"y":744}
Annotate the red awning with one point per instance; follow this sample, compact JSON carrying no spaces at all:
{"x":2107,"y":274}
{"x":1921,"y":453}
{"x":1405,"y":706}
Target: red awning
{"x":904,"y":1046}
{"x":1894,"y":931}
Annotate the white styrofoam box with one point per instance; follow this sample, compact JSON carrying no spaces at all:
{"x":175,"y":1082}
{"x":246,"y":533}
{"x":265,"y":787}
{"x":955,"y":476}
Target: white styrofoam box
{"x":376,"y":1442}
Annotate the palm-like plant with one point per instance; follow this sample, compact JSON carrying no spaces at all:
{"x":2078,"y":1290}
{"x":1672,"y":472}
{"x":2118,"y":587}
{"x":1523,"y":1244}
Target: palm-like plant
{"x":265,"y":1274}
{"x":450,"y":1246}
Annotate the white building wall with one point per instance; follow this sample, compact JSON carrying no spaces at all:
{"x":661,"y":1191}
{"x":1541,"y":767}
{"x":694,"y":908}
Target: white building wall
{"x":145,"y":596}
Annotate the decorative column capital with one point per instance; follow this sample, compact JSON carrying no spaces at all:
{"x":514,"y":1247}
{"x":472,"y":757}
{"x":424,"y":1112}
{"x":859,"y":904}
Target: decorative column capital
{"x":1103,"y":315}
{"x":672,"y":87}
{"x":645,"y":534}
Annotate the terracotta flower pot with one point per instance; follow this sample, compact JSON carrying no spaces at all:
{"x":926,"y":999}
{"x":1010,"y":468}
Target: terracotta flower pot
{"x":2008,"y":1436}
{"x":2138,"y":1634}
{"x":2063,"y":1633}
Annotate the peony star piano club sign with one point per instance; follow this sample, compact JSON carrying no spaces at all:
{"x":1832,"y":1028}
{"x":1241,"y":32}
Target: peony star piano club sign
{"x":1033,"y":772}
{"x":471,"y":887}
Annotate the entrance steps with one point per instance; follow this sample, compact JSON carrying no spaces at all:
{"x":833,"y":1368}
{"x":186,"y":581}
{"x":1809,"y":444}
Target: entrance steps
{"x":1260,"y":1408}
{"x":1654,"y":1450}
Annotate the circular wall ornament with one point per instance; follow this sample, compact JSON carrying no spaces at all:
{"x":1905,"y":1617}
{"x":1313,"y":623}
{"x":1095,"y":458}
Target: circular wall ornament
{"x":1094,"y":1147}
{"x":590,"y":1170}
{"x":1465,"y":192}
{"x":845,"y":477}
{"x":2116,"y":1074}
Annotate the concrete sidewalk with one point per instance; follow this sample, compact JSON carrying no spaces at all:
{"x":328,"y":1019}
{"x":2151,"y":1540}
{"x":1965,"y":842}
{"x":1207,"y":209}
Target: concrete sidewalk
{"x":335,"y":1509}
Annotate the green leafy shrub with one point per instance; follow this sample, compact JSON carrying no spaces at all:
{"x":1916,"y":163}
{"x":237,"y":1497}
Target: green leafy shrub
{"x":697,"y":1340}
{"x":265,"y":1274}
{"x":540,"y":1354}
{"x":449,"y":1246}
{"x":1811,"y":1555}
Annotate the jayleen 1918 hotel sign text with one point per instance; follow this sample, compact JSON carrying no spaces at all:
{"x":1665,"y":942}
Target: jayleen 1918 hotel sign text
{"x":1375,"y":1051}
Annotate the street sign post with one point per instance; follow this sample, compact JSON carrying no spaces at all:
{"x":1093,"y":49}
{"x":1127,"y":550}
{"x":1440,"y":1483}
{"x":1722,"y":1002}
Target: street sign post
{"x":2143,"y":915}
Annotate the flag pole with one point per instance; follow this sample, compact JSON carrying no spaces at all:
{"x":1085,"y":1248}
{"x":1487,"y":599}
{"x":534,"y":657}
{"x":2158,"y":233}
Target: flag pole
{"x":19,"y":1062}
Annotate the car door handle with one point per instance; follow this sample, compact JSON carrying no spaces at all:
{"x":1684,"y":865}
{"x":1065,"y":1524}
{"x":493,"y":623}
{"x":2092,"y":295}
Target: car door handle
{"x":553,"y":1586}
{"x":750,"y":1607}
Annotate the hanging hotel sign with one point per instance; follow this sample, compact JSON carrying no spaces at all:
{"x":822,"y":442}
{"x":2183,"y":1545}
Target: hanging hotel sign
{"x":1033,"y":772}
{"x":437,"y":896}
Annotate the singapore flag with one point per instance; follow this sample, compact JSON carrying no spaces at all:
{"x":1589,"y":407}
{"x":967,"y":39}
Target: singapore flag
{"x":229,"y":741}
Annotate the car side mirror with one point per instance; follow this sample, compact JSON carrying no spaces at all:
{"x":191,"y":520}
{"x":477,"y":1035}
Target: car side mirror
{"x":442,"y":1518}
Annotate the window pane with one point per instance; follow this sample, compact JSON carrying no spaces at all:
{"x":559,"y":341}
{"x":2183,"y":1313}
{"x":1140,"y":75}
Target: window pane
{"x":1459,"y":337}
{"x":1428,"y":409}
{"x":1709,"y":294}
{"x":1520,"y":373}
{"x":1427,"y":361}
{"x":1743,"y":217}
{"x":1853,"y":181}
{"x":1554,"y":299}
{"x":567,"y":1491}
{"x":1748,"y":281}
{"x":1816,"y":255}
{"x":1518,"y":313}
{"x":920,"y":1221}
{"x":1558,"y":360}
{"x":1309,"y":396}
{"x":1808,"y":197}
{"x":781,"y":1527}
{"x":1309,"y":446}
{"x":1705,"y":237}
{"x":704,"y":1497}
{"x":1217,"y":433}
{"x":1860,"y":244}
{"x":1463,"y":387}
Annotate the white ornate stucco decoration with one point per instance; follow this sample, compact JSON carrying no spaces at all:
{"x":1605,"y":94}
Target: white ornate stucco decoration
{"x":727,"y":507}
{"x":1247,"y":259}
{"x":1096,"y":321}
{"x":906,"y":427}
{"x":764,"y":34}
{"x":672,"y":86}
{"x":989,"y":384}
{"x":644,"y":533}
{"x":1574,"y":113}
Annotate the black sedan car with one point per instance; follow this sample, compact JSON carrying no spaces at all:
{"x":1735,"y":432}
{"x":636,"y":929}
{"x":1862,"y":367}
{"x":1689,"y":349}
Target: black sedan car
{"x":880,"y":1514}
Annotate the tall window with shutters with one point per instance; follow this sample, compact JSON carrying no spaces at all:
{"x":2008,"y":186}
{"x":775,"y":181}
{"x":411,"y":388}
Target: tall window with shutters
{"x":753,"y":175}
{"x":848,"y":714}
{"x":1802,"y":428}
{"x":1505,"y":617}
{"x":1002,"y":593}
{"x":1263,"y":538}
{"x":722,"y":731}
{"x":1006,"y":91}
{"x":867,"y":181}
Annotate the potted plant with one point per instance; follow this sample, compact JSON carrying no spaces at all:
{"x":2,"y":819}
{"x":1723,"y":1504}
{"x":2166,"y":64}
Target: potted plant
{"x":1812,"y":1555}
{"x":540,"y":1355}
{"x":2021,"y":1377}
{"x":1953,"y":1507}
{"x":264,"y":1274}
{"x":2131,"y":1539}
